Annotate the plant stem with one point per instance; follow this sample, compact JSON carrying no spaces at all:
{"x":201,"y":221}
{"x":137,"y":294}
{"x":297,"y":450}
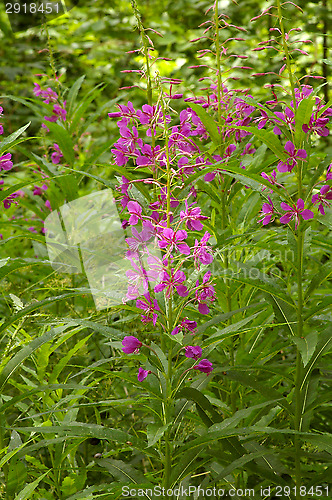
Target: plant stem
{"x":298,"y":370}
{"x":288,"y":63}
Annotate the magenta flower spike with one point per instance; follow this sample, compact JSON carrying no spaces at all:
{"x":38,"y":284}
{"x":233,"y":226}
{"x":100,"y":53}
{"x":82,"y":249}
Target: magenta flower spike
{"x":194,"y":352}
{"x":294,"y":155}
{"x":135,"y":211}
{"x":192,"y":217}
{"x":142,"y":374}
{"x":205,"y":294}
{"x":172,"y":240}
{"x":204,"y":366}
{"x":295,"y":212}
{"x":185,"y":325}
{"x":131,"y":344}
{"x":5,"y":163}
{"x":57,"y":155}
{"x":323,"y":198}
{"x":172,"y":282}
{"x":267,"y":212}
{"x":149,"y":308}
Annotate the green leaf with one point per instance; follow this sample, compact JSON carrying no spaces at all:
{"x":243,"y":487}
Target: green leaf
{"x":82,"y":107}
{"x":232,"y":329}
{"x":323,"y":346}
{"x":323,"y":273}
{"x":63,"y":138}
{"x":122,"y":471}
{"x":302,"y":116}
{"x":208,"y":123}
{"x":154,"y":432}
{"x":9,"y":141}
{"x":27,"y":350}
{"x":242,"y":175}
{"x":323,"y":442}
{"x":262,"y":283}
{"x":202,"y":402}
{"x":240,"y":462}
{"x":88,"y":430}
{"x":72,"y":94}
{"x":268,"y":138}
{"x":27,"y":491}
{"x":250,"y":381}
{"x":306,"y":346}
{"x":34,"y":306}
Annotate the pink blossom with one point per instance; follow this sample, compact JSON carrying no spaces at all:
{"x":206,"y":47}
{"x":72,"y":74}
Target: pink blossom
{"x":171,"y":282}
{"x":142,"y":374}
{"x":185,"y":325}
{"x":194,"y":352}
{"x":204,"y":294}
{"x":272,"y":179}
{"x":172,"y":240}
{"x":294,"y":212}
{"x":131,"y":344}
{"x":323,"y":198}
{"x":149,"y":308}
{"x":204,"y":366}
{"x":294,"y":155}
{"x":57,"y":155}
{"x":267,"y":212}
{"x":192,"y":217}
{"x":135,"y":211}
{"x":5,"y":163}
{"x":202,"y":252}
{"x":38,"y":191}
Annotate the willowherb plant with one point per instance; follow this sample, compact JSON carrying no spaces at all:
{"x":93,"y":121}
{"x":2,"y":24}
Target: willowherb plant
{"x":205,"y":191}
{"x":217,"y":138}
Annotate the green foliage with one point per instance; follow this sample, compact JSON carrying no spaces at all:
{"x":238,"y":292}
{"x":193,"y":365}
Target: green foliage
{"x":75,"y":422}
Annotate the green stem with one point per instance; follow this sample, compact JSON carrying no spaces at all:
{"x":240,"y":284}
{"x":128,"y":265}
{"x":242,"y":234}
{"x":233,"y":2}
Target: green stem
{"x":298,"y":370}
{"x":285,"y":47}
{"x":217,"y":42}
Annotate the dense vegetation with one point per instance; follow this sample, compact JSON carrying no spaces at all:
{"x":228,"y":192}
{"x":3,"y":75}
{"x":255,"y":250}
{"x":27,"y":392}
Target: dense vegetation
{"x":166,"y":181}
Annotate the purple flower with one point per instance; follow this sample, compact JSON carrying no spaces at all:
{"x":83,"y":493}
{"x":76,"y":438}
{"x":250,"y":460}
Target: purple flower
{"x":205,"y":294}
{"x":48,"y":95}
{"x":57,"y":155}
{"x":9,"y":200}
{"x":135,"y":211}
{"x":329,"y":173}
{"x":204,"y":366}
{"x":294,"y":212}
{"x":171,"y":282}
{"x":192,"y":217}
{"x":201,"y":251}
{"x":131,"y":344}
{"x":149,"y":308}
{"x":267,"y":212}
{"x":5,"y":163}
{"x":126,"y":113}
{"x":194,"y":352}
{"x":287,"y":117}
{"x":38,"y":191}
{"x":172,"y":239}
{"x":272,"y":179}
{"x":186,"y":325}
{"x":294,"y":155}
{"x":142,"y":374}
{"x":58,"y":112}
{"x":322,"y":198}
{"x":318,"y":126}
